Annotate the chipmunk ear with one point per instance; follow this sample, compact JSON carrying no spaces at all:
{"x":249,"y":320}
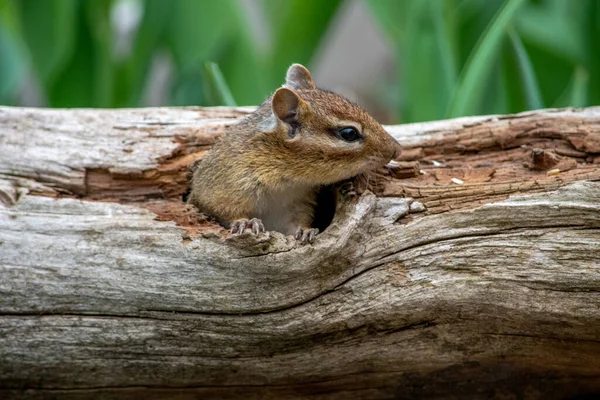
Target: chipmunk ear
{"x":287,"y":105}
{"x":298,"y":78}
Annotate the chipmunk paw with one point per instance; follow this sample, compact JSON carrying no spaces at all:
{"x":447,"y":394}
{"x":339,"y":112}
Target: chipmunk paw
{"x":306,"y":235}
{"x":255,"y":225}
{"x":347,"y":189}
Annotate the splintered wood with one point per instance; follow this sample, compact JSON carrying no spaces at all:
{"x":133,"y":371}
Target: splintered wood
{"x":488,"y":160}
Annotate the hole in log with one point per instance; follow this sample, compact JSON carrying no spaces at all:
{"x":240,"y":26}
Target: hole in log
{"x":325,"y":208}
{"x":329,"y":196}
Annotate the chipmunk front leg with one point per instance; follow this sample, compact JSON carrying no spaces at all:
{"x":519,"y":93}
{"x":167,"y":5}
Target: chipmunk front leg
{"x":239,"y":226}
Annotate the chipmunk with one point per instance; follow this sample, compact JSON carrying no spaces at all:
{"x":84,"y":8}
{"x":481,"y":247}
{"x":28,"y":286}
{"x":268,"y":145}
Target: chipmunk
{"x":265,"y":171}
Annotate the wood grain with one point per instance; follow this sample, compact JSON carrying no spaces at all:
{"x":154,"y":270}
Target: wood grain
{"x":111,"y":287}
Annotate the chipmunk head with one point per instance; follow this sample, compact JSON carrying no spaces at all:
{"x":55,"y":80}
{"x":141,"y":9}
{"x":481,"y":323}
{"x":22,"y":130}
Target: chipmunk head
{"x":328,"y":137}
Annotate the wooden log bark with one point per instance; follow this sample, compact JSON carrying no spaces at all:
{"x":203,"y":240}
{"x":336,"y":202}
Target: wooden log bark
{"x":470,"y":269}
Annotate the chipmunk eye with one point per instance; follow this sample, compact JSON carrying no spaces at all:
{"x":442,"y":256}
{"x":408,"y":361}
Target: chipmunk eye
{"x":349,"y":134}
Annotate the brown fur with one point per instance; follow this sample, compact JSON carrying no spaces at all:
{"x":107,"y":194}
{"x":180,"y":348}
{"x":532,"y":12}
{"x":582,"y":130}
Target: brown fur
{"x":259,"y":168}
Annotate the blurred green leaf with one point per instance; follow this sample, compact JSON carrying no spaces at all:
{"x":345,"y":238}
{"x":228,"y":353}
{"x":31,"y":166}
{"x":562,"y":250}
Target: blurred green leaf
{"x":244,"y":71}
{"x":424,"y":43}
{"x":98,"y":20}
{"x":444,"y":39}
{"x":591,"y":34}
{"x":497,"y":95}
{"x":74,"y":84}
{"x":133,"y":75}
{"x":549,"y":29}
{"x":216,"y":90}
{"x":298,"y":28}
{"x":12,"y":58}
{"x":49,"y":30}
{"x":470,"y":87}
{"x":202,"y":30}
{"x":198,"y":28}
{"x":552,"y":72}
{"x":576,"y":94}
{"x":469,"y":20}
{"x":188,"y":89}
{"x":393,"y":15}
{"x":551,"y":57}
{"x":429,"y":61}
{"x":12,"y":66}
{"x":10,"y":16}
{"x":530,"y":91}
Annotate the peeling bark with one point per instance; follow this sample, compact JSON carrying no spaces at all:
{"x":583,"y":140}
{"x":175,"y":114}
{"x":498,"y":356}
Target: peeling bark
{"x":470,"y":269}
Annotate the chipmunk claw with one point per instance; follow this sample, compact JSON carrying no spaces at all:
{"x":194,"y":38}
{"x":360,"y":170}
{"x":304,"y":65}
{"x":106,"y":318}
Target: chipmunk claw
{"x":306,"y":235}
{"x":239,"y":226}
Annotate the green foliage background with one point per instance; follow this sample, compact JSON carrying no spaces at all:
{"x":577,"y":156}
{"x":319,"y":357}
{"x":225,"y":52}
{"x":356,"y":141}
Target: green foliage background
{"x":454,"y":57}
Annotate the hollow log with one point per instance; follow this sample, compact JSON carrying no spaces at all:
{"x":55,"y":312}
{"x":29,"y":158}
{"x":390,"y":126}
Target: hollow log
{"x":470,"y":268}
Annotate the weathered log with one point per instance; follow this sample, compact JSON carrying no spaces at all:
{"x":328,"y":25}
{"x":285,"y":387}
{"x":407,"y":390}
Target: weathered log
{"x":475,"y":275}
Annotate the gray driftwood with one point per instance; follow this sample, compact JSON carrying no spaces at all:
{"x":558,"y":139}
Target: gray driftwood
{"x":421,"y":288}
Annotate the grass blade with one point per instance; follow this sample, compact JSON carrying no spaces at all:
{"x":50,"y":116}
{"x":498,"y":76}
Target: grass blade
{"x":471,"y":83}
{"x":592,"y":35}
{"x":217,"y":91}
{"x":577,"y":92}
{"x":132,"y":74}
{"x":579,"y":89}
{"x":97,"y":17}
{"x":202,"y":30}
{"x":12,"y":66}
{"x":428,"y":64}
{"x":13,"y":63}
{"x":530,"y":87}
{"x":73,"y":86}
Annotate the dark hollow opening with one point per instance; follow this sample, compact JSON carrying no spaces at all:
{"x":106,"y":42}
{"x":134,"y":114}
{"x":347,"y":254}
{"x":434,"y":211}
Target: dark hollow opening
{"x":186,"y":194}
{"x":325,"y":208}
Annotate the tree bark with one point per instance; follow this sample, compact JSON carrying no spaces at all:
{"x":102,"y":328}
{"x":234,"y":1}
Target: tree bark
{"x":470,"y":269}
